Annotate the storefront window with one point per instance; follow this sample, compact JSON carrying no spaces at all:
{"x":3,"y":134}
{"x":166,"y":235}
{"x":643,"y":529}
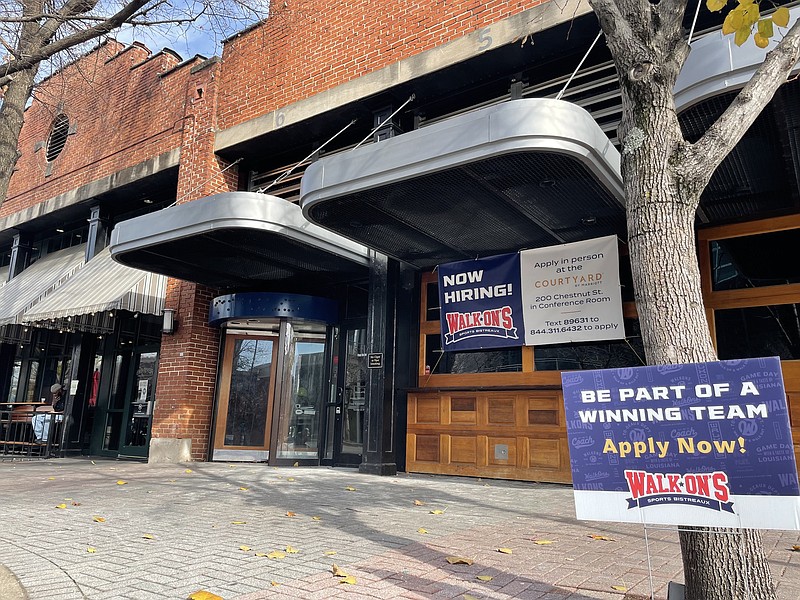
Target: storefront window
{"x":15,"y":371}
{"x":612,"y":354}
{"x":758,"y":331}
{"x":475,"y":361}
{"x":755,"y":260}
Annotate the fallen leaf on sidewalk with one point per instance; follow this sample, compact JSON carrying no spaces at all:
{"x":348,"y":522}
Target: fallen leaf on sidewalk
{"x":542,"y":542}
{"x":97,"y":519}
{"x":121,"y":482}
{"x":350,"y":488}
{"x":437,"y":512}
{"x":484,"y":577}
{"x":469,"y":597}
{"x":276,"y":554}
{"x":76,"y":504}
{"x":238,"y":522}
{"x":316,"y":518}
{"x":349,"y":579}
{"x":274,"y":583}
{"x":290,"y":513}
{"x":148,"y":536}
{"x":261,"y":554}
{"x":290,"y":479}
{"x":329,"y":552}
{"x":619,"y":588}
{"x":459,"y":560}
{"x":337,"y":571}
{"x":296,"y":464}
{"x":505,"y":551}
{"x":245,"y":548}
{"x":51,"y":479}
{"x":292,"y":550}
{"x":203,"y":595}
{"x":91,"y":550}
{"x":61,"y":506}
{"x":187,"y":471}
{"x":795,"y":548}
{"x":601,"y":538}
{"x":419,"y":503}
{"x":422,"y":530}
{"x":243,"y":489}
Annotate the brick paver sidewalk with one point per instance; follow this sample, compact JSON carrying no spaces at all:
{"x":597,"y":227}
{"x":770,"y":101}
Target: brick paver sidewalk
{"x":167,"y":533}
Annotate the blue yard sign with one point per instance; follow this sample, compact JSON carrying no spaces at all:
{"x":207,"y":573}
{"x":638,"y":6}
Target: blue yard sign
{"x":481,"y":303}
{"x":705,"y":444}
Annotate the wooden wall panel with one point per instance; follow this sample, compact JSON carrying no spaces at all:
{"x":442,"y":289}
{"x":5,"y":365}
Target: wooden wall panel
{"x":506,"y":434}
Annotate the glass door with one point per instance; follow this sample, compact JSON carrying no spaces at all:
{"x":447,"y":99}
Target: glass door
{"x":352,"y":389}
{"x":246,"y":391}
{"x":303,"y":393}
{"x":139,"y":405}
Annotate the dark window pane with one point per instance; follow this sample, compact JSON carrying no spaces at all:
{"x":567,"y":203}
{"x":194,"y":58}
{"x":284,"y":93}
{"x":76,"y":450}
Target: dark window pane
{"x":755,"y":260}
{"x":475,"y":361}
{"x":758,"y":331}
{"x":593,"y":355}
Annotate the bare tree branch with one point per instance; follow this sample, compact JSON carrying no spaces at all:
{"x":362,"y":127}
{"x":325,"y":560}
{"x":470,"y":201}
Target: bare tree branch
{"x":46,"y":50}
{"x":711,"y":149}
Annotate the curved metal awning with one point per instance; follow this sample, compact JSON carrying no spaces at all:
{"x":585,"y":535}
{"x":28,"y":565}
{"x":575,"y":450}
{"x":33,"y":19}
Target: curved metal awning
{"x":525,"y":173}
{"x":236,"y":239}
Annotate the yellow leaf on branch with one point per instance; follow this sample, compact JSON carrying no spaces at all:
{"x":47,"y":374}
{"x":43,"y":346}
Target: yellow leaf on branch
{"x":760,"y":40}
{"x":741,"y":36}
{"x":781,"y":17}
{"x":716,"y":5}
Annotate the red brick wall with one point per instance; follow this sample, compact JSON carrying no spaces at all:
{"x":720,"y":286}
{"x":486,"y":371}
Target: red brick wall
{"x":188,"y":363}
{"x":187,"y":369}
{"x":124,"y":112}
{"x":313,"y":45}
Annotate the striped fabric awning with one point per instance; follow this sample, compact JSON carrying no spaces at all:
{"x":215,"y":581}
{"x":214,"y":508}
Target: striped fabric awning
{"x":102,"y":285}
{"x":35,"y":282}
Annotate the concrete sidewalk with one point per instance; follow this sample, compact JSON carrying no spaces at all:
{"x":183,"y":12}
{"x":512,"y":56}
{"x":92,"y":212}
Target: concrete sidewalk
{"x":171,"y":530}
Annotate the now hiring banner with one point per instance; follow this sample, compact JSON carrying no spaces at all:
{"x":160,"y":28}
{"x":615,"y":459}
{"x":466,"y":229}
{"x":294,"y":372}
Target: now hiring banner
{"x":554,"y":295}
{"x":705,"y":444}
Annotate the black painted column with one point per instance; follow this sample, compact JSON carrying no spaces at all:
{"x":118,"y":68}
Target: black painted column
{"x":20,"y":252}
{"x":98,"y":230}
{"x":379,"y":449}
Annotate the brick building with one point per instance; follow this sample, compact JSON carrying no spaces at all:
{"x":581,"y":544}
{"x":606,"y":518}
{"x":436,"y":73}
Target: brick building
{"x":322,"y":169}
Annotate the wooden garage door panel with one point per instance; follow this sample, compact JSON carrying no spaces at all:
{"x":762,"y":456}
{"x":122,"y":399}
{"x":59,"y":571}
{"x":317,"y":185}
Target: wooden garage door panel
{"x":501,"y":411}
{"x":544,"y":411}
{"x":545,"y":453}
{"x":499,"y":446}
{"x":428,"y":410}
{"x":463,"y":449}
{"x":794,"y":408}
{"x":427,"y":449}
{"x":463,"y":410}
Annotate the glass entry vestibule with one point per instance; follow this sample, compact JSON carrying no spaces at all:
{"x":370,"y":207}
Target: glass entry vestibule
{"x":281,"y":395}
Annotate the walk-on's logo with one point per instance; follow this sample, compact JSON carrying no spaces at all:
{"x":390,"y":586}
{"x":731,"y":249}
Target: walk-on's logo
{"x":704,"y":490}
{"x":496,"y":322}
{"x":480,"y":303}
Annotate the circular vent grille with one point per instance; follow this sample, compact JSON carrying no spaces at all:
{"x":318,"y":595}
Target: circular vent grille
{"x":58,"y":137}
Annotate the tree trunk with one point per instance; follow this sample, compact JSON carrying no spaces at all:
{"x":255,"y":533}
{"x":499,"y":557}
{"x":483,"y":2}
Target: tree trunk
{"x":661,"y":204}
{"x":12,"y":114}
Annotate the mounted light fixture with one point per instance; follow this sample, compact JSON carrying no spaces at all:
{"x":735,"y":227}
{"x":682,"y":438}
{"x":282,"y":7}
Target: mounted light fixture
{"x":169,"y":323}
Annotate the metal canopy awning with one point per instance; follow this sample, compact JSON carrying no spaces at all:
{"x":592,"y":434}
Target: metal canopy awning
{"x":102,"y":285}
{"x":522,"y":174}
{"x":34,"y":283}
{"x":237,"y":239}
